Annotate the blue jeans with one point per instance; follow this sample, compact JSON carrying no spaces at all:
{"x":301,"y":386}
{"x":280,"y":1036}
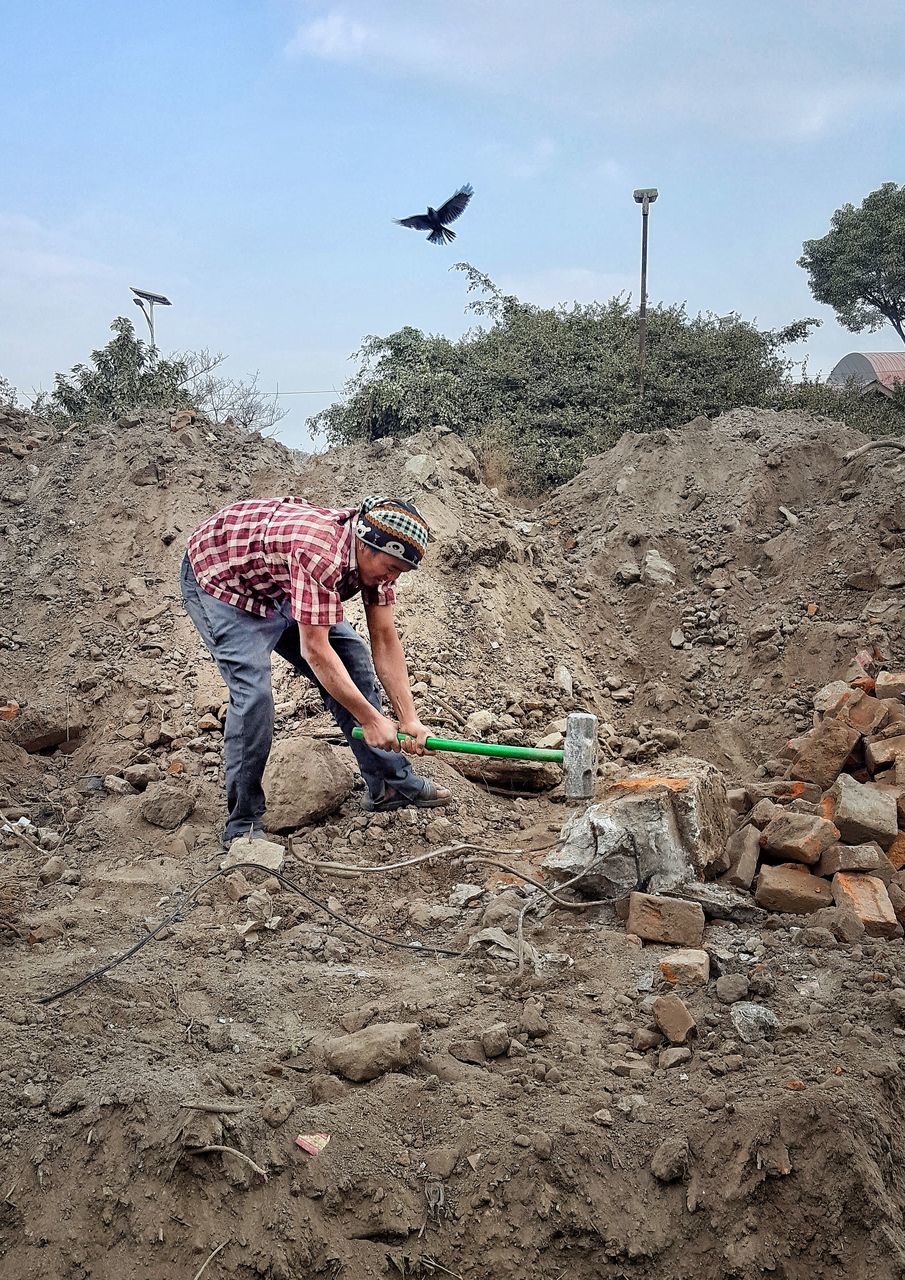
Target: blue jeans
{"x":241,"y":644}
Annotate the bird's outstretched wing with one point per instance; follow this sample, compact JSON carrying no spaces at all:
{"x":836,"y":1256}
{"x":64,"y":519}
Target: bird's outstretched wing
{"x":456,"y":204}
{"x":417,"y":222}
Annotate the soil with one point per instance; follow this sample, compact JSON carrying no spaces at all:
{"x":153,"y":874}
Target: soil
{"x":571,"y":1153}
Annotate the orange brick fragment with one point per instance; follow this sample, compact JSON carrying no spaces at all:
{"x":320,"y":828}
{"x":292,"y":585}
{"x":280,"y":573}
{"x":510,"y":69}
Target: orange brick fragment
{"x":866,"y":896}
{"x":644,"y":784}
{"x":896,"y":851}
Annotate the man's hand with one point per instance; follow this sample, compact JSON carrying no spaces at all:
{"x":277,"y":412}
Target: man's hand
{"x":381,"y":733}
{"x":417,"y":732}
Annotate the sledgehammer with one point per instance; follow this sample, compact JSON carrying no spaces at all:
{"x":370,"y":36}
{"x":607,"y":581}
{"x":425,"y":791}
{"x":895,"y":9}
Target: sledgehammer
{"x":578,"y":757}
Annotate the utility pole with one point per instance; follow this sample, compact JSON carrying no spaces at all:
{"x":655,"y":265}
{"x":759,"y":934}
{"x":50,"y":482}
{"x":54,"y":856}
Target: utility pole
{"x":645,"y":196}
{"x":152,"y":300}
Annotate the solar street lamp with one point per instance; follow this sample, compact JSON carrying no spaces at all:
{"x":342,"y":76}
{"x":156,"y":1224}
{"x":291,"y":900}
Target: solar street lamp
{"x":148,"y":301}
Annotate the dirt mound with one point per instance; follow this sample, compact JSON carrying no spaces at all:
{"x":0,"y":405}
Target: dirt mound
{"x":152,"y":1116}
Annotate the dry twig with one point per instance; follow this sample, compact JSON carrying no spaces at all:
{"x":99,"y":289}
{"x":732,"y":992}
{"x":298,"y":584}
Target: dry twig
{"x":872,"y":444}
{"x":200,"y":1151}
{"x":201,"y":1270}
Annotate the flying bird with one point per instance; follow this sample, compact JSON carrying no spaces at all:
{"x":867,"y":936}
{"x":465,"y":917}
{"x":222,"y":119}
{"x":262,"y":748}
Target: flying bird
{"x":435,"y":219}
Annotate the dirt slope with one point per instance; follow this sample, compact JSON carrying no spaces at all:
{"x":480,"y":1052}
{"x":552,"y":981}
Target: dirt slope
{"x":561,"y":1155}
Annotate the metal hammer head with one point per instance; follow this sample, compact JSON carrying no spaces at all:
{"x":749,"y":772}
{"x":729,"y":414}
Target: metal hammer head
{"x":580,"y":755}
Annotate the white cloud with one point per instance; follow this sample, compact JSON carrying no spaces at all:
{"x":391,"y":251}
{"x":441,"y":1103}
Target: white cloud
{"x":334,"y":38}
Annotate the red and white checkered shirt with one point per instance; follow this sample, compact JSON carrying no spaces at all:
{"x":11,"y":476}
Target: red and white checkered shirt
{"x":256,"y":555}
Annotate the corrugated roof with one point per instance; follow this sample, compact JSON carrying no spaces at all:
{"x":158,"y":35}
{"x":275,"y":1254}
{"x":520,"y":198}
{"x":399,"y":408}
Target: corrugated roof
{"x":889,"y":366}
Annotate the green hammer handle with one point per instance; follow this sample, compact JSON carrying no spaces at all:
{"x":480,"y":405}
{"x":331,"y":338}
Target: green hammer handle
{"x":496,"y":749}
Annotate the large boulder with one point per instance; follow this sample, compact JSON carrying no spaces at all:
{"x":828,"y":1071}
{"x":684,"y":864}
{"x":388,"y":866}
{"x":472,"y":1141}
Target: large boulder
{"x":371,"y":1052}
{"x":651,"y":830}
{"x":305,"y":781}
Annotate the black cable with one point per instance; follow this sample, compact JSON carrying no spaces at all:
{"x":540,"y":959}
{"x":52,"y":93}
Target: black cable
{"x":243,"y":866}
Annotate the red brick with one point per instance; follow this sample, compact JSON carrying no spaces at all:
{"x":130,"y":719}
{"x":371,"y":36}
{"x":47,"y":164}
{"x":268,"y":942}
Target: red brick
{"x":686,"y":967}
{"x":823,"y":751}
{"x":790,"y":888}
{"x":673,"y":1019}
{"x":665,"y":919}
{"x":744,"y":854}
{"x":896,"y":851}
{"x":890,"y":684}
{"x":863,"y":813}
{"x":847,"y":857}
{"x":799,"y":836}
{"x":883,"y":752}
{"x":866,"y":896}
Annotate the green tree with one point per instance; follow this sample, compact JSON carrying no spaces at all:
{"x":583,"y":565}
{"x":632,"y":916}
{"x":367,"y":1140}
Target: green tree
{"x":545,"y":386}
{"x":858,"y":267}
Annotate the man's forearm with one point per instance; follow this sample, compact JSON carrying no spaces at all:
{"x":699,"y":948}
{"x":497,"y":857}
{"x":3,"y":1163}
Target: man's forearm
{"x":389,"y":663}
{"x":331,"y":673}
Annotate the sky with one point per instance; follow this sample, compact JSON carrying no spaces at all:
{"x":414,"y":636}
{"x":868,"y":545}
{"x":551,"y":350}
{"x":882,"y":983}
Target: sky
{"x":247,"y":159}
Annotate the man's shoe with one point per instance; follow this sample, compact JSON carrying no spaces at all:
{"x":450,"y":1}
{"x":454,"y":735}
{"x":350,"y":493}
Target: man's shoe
{"x":429,"y":797}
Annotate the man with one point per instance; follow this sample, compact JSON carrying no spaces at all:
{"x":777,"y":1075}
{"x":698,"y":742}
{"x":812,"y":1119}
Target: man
{"x":271,"y":575}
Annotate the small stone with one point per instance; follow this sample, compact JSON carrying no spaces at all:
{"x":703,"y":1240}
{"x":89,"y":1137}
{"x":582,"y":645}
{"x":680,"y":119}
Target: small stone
{"x":52,"y":870}
{"x":753,"y":1021}
{"x":673,"y":1057}
{"x":731,"y":987}
{"x":495,"y":1040}
{"x":669,"y":1162}
{"x":532,"y":1021}
{"x":267,"y":853}
{"x":673,"y":1018}
{"x":166,"y":805}
{"x":69,"y":1097}
{"x":375,"y":1050}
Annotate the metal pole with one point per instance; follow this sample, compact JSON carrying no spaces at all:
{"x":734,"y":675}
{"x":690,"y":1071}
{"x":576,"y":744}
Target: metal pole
{"x":642,"y":314}
{"x":151,"y":310}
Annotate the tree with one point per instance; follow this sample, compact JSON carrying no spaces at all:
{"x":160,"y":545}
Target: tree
{"x":544,"y":387}
{"x":128,"y":376}
{"x":7,"y":393}
{"x":858,"y":267}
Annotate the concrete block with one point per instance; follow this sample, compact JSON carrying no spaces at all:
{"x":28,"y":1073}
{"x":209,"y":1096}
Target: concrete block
{"x":846,"y":857}
{"x":799,"y":836}
{"x":862,"y":813}
{"x":867,"y":898}
{"x":790,"y":888}
{"x":885,"y":752}
{"x":890,"y":684}
{"x":822,"y":752}
{"x":673,"y":1019}
{"x":743,"y":849}
{"x":686,"y":967}
{"x":665,"y":920}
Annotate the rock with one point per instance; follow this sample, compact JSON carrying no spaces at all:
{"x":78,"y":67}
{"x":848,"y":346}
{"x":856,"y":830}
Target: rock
{"x":686,"y":967}
{"x":822,"y":752}
{"x":863,"y":813}
{"x":562,"y":676}
{"x":790,"y":888}
{"x":884,"y":752}
{"x":656,"y":829}
{"x":719,"y":902}
{"x":375,"y":1050}
{"x":844,"y":857}
{"x":890,"y":684}
{"x":673,"y":1018}
{"x":305,"y":781}
{"x":677,"y":638}
{"x":495,"y":1040}
{"x":753,"y":1021}
{"x":731,"y":987}
{"x":52,"y":870}
{"x":669,"y":1163}
{"x":470,"y":1050}
{"x":478,"y":723}
{"x":743,"y":849}
{"x":533,"y":776}
{"x":114,"y":785}
{"x":656,"y":571}
{"x":799,"y":836}
{"x":278,"y":1108}
{"x":532,"y":1021}
{"x":673,"y":1057}
{"x":266,"y":853}
{"x":867,"y":899}
{"x":166,"y":805}
{"x":659,"y":919}
{"x":140,"y":776}
{"x":69,"y":1097}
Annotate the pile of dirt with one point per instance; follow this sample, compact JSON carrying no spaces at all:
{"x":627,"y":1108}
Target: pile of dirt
{"x":495,"y":1103}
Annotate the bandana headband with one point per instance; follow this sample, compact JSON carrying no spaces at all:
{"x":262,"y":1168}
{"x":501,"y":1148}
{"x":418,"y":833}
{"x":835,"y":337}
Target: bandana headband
{"x":394,"y":526}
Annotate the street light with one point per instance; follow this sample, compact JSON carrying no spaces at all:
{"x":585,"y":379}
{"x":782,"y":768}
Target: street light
{"x":152,"y":299}
{"x":645,"y":196}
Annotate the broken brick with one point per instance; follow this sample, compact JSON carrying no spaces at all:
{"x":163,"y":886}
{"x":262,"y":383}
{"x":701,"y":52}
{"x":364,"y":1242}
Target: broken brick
{"x":673,"y":1019}
{"x":822,"y":752}
{"x":890,"y":684}
{"x":688,"y":967}
{"x":846,"y":857}
{"x":743,"y":849}
{"x":863,"y":813}
{"x":884,"y":752}
{"x":896,"y":852}
{"x":799,"y":836}
{"x":791,"y":889}
{"x":867,"y":898}
{"x":659,"y":919}
{"x":764,"y":811}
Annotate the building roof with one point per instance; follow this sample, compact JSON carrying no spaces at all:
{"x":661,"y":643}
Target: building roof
{"x":873,"y":369}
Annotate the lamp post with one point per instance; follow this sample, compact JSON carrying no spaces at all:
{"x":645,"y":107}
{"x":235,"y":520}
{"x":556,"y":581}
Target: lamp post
{"x":645,"y":196}
{"x":152,"y":299}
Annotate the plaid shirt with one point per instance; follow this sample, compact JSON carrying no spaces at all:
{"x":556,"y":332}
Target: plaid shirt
{"x":256,"y":555}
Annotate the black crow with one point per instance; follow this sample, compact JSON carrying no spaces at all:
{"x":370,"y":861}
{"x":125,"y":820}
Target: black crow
{"x":433,"y":221}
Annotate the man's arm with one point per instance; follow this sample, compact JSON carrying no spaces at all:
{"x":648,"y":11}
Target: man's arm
{"x":389,"y":662}
{"x":379,"y":730}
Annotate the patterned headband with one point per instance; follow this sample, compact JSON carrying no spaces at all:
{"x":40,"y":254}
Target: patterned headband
{"x":394,"y":526}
